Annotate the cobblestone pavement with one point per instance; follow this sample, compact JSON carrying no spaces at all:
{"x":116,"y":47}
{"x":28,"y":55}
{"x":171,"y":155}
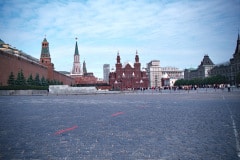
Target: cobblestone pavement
{"x":179,"y":125}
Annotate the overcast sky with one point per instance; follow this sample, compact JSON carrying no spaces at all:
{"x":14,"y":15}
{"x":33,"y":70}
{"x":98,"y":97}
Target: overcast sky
{"x":178,"y":33}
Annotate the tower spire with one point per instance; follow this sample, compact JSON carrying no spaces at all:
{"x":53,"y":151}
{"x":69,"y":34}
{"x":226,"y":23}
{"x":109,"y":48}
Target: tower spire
{"x":76,"y":48}
{"x":118,"y":57}
{"x":76,"y":64}
{"x":237,"y":50}
{"x":136,"y":57}
{"x":238,"y":35}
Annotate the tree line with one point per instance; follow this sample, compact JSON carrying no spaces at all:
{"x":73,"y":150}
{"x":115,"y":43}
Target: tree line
{"x":201,"y":82}
{"x":21,"y":82}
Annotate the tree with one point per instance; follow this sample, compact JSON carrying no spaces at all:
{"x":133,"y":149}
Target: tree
{"x":44,"y":81}
{"x":21,"y":81}
{"x":221,"y":79}
{"x":30,"y":80}
{"x":37,"y":81}
{"x":11,"y":79}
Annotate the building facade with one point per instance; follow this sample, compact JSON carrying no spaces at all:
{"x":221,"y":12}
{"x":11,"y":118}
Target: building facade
{"x":170,"y":75}
{"x":202,"y":71}
{"x":128,"y":76}
{"x":106,"y":71}
{"x":154,"y":73}
{"x":162,"y":76}
{"x":173,"y":72}
{"x":231,"y":68}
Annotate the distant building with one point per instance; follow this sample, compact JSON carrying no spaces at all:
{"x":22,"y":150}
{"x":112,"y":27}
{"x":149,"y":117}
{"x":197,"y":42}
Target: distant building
{"x":170,"y":75}
{"x":231,"y":68}
{"x":128,"y":76}
{"x":202,"y":71}
{"x":154,"y":73}
{"x":162,"y":76}
{"x":228,"y":69}
{"x":173,"y":72}
{"x":106,"y":71}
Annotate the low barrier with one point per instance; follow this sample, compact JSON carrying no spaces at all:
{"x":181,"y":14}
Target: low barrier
{"x":22,"y":92}
{"x":65,"y":89}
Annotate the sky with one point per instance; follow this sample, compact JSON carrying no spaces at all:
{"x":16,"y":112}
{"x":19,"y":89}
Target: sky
{"x":177,"y":32}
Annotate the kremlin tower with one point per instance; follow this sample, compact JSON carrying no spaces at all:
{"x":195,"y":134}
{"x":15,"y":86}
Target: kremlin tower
{"x":45,"y":59}
{"x":80,"y":75}
{"x":76,"y":70}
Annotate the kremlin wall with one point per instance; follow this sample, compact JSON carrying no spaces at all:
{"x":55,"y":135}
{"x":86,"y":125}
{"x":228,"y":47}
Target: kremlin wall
{"x":13,"y":60}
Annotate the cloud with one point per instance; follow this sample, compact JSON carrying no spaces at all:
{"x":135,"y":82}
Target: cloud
{"x":158,"y":29}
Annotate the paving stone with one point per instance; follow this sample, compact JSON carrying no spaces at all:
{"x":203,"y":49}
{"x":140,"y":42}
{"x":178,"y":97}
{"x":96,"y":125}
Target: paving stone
{"x":176,"y":125}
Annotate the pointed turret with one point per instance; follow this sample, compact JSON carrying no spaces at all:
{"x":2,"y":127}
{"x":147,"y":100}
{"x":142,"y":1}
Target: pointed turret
{"x":137,"y":65}
{"x":237,"y":50}
{"x":118,"y":64}
{"x":137,"y":57}
{"x":45,"y":54}
{"x":84,"y":67}
{"x":118,"y":58}
{"x":76,"y":49}
{"x":45,"y":48}
{"x":76,"y":64}
{"x":45,"y":59}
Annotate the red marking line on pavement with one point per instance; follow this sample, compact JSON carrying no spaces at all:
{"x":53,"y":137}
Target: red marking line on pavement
{"x":117,"y":114}
{"x":65,"y":130}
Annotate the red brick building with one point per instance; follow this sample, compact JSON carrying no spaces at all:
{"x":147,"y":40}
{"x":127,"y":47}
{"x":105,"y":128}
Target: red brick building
{"x":128,"y":76}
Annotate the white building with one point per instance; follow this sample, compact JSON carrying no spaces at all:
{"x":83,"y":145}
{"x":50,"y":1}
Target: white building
{"x":173,"y":72}
{"x":162,"y":76}
{"x":154,"y":73}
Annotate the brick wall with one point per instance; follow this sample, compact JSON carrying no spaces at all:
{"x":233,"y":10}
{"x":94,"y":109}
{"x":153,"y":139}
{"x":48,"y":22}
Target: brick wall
{"x":13,"y":63}
{"x":63,"y":78}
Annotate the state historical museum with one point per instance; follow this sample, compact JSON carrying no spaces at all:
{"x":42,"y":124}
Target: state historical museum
{"x":128,"y":76}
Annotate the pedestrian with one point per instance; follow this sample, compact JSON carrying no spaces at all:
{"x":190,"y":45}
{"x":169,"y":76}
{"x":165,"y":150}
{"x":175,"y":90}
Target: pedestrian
{"x":228,"y":86}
